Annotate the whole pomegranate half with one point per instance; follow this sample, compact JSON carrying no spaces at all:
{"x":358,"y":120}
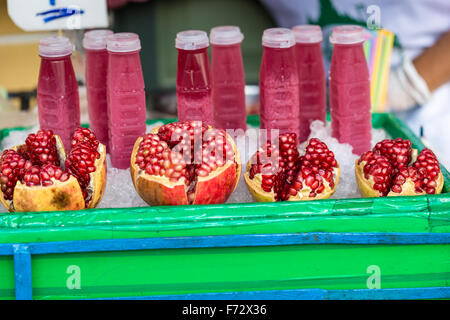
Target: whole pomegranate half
{"x":39,"y":176}
{"x":277,"y":172}
{"x":393,"y":168}
{"x":185,"y":163}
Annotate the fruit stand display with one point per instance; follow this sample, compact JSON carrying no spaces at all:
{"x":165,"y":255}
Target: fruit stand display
{"x":382,"y":247}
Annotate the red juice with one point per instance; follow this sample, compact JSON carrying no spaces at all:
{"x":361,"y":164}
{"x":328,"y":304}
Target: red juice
{"x":228,"y":78}
{"x":350,"y":89}
{"x":126,"y":97}
{"x":94,"y":43}
{"x":194,"y":100}
{"x":311,"y":73}
{"x":57,"y":90}
{"x":278,"y":82}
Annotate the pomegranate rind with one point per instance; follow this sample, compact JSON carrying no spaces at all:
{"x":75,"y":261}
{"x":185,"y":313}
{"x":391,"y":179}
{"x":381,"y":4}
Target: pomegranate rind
{"x":217,"y":186}
{"x":98,"y":178}
{"x":325,"y":194}
{"x":9,"y":205}
{"x":365,"y":186}
{"x":60,"y":196}
{"x":254,"y":186}
{"x":408,"y":188}
{"x":259,"y":195}
{"x":156,"y":190}
{"x":221,"y":183}
{"x":212,"y":189}
{"x":160,"y":191}
{"x":53,"y":198}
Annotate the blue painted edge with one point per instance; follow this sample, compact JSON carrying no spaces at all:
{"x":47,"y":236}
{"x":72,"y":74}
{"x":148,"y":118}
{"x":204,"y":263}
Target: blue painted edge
{"x":249,"y":240}
{"x":308,"y":294}
{"x":22,"y":272}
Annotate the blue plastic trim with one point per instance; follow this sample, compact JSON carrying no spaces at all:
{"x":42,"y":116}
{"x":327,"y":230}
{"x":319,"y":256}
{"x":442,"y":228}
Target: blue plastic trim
{"x":308,"y":294}
{"x":249,"y":240}
{"x":23,"y":276}
{"x":22,"y":272}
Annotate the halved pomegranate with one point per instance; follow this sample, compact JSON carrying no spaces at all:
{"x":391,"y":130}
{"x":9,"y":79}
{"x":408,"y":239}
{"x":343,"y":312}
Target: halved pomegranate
{"x":37,"y":176}
{"x":393,"y":168}
{"x":280,"y":173}
{"x":185,"y":163}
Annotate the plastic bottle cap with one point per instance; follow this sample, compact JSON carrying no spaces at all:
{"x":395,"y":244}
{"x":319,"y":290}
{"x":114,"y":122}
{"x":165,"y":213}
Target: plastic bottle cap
{"x":307,"y":33}
{"x":123,"y":42}
{"x":191,"y":40}
{"x":278,"y":38}
{"x":348,"y":34}
{"x":55,"y":47}
{"x":224,"y":35}
{"x":96,"y":39}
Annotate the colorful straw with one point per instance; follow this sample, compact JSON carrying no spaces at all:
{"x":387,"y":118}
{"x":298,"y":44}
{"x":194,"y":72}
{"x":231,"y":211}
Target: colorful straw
{"x":386,"y":59}
{"x":378,"y":50}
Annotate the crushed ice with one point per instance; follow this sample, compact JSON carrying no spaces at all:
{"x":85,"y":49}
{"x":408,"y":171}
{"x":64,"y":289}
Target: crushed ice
{"x":120,"y":192}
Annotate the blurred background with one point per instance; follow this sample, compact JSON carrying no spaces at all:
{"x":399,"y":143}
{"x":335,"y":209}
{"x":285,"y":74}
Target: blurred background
{"x":157,"y":23}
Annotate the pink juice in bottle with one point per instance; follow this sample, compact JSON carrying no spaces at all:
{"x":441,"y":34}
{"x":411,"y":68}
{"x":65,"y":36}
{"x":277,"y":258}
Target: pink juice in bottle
{"x":57,"y":90}
{"x":94,"y":43}
{"x":194,"y":98}
{"x":278,"y":82}
{"x":350,"y":89}
{"x":126,"y":97}
{"x":228,"y":78}
{"x":311,"y":74}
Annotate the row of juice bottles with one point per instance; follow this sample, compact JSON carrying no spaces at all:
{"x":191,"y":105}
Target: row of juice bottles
{"x":292,"y":84}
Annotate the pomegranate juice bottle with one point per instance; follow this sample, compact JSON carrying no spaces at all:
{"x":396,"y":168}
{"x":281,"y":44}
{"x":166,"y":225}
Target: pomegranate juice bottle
{"x":311,"y":74}
{"x":57,"y":90}
{"x":193,"y":77}
{"x":94,"y":44}
{"x":126,"y":97}
{"x":278,"y":82}
{"x":228,"y":78}
{"x":350,"y":89}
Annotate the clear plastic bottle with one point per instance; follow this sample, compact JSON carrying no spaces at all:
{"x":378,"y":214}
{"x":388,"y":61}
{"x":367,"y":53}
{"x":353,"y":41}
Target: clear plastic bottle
{"x":126,"y":97}
{"x":278,"y":82}
{"x":228,"y":78}
{"x":194,"y":98}
{"x":311,"y":74}
{"x":94,"y":44}
{"x":350,"y":89}
{"x":57,"y":90}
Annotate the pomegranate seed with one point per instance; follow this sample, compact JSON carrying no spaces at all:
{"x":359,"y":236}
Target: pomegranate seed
{"x":387,"y":164}
{"x":380,"y":169}
{"x":81,"y":159}
{"x":13,"y":166}
{"x":184,"y":150}
{"x":86,"y":136}
{"x":294,"y":172}
{"x":398,"y":151}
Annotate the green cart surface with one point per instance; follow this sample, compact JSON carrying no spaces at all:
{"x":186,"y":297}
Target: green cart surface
{"x":327,"y":249}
